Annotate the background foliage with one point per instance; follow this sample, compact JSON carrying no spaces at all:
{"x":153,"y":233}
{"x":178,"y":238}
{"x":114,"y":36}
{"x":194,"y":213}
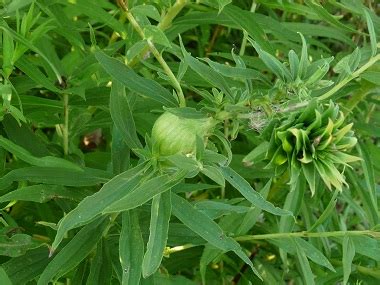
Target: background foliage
{"x":283,"y":191}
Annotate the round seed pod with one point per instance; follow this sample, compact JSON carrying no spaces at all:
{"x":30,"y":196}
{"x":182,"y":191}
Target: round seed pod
{"x":172,"y":134}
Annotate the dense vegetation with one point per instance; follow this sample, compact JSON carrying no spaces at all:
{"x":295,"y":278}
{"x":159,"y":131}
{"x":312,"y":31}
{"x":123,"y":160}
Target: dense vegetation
{"x":189,"y":142}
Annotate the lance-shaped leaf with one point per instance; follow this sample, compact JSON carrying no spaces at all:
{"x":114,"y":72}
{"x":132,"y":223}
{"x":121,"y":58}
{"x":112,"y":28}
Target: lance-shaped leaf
{"x":204,"y":226}
{"x":134,"y":82}
{"x":75,"y":251}
{"x":93,"y":206}
{"x":240,"y":184}
{"x":131,"y":248}
{"x":159,"y":226}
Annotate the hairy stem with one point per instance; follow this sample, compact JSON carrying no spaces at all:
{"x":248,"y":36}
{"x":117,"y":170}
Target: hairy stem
{"x":156,"y":53}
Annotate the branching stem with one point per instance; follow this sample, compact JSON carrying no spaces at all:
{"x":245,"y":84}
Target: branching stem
{"x":355,"y":74}
{"x":156,"y":53}
{"x":337,"y":87}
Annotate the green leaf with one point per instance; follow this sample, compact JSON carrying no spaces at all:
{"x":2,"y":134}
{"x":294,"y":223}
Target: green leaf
{"x":54,"y":175}
{"x":207,"y":73}
{"x":371,"y":31}
{"x":4,"y":279}
{"x":326,"y":213}
{"x":146,"y":10}
{"x":101,"y":266}
{"x":201,"y":224}
{"x":246,"y":21}
{"x":144,"y":192}
{"x":366,"y":197}
{"x":16,"y":245}
{"x":121,"y":114}
{"x":134,"y":82}
{"x":75,"y":251}
{"x":240,"y":184}
{"x":159,"y":226}
{"x":96,"y":13}
{"x":41,"y":194}
{"x":8,"y":50}
{"x":347,"y":258}
{"x":304,"y":264}
{"x":156,"y":35}
{"x":214,"y":174}
{"x":92,"y":206}
{"x":19,"y":38}
{"x":308,"y":248}
{"x":293,"y":204}
{"x":272,"y":63}
{"x":47,"y":161}
{"x":131,"y":248}
{"x":222,"y":3}
{"x":209,"y":206}
{"x":34,"y":73}
{"x":304,"y":60}
{"x":369,"y":175}
{"x":27,"y":266}
{"x":257,"y":154}
{"x":325,"y":15}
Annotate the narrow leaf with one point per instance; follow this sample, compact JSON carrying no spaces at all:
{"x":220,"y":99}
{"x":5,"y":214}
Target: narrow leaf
{"x":144,"y":192}
{"x":92,"y":206}
{"x":75,"y":251}
{"x":121,"y":114}
{"x":134,"y":82}
{"x":131,"y":248}
{"x":347,"y":258}
{"x":55,"y":175}
{"x":371,"y":31}
{"x":159,"y":226}
{"x":47,"y":161}
{"x":4,"y":279}
{"x":304,"y":264}
{"x":240,"y":184}
{"x":201,"y":224}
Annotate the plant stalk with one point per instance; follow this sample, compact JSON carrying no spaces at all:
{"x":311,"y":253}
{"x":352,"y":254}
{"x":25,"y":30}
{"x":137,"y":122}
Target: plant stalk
{"x":337,"y":87}
{"x":156,"y":53}
{"x":306,"y":234}
{"x":355,"y":74}
{"x":166,"y":22}
{"x":65,"y":131}
{"x":173,"y":11}
{"x":245,"y":34}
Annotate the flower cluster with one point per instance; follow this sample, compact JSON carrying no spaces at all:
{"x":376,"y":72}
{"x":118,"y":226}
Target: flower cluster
{"x":313,"y":142}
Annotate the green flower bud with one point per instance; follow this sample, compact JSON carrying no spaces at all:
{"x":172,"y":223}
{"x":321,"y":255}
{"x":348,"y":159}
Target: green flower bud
{"x":172,"y":134}
{"x":314,"y":141}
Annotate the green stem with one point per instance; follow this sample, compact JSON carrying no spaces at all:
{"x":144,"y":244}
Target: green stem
{"x":156,"y":53}
{"x":112,"y":218}
{"x":342,"y":83}
{"x":172,"y":13}
{"x":309,"y":235}
{"x":338,"y":86}
{"x":245,"y":34}
{"x":163,"y":25}
{"x":65,"y":131}
{"x":170,"y":250}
